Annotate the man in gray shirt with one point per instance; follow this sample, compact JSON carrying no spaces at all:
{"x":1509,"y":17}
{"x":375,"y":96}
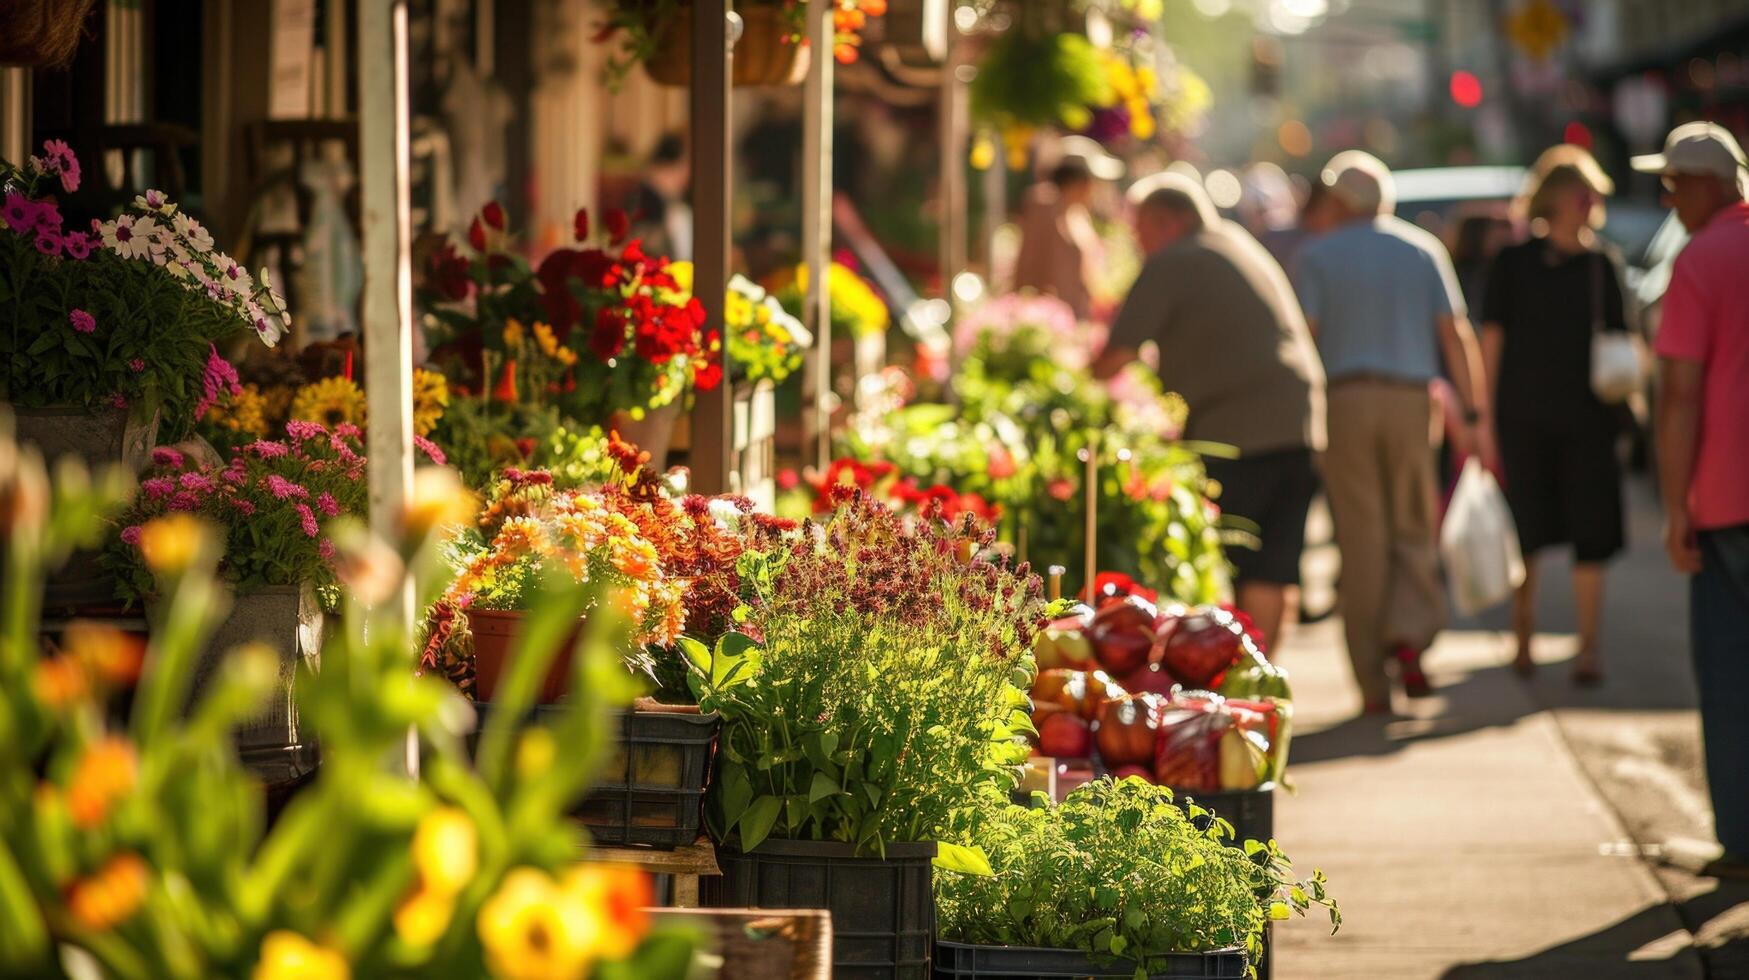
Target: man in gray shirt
{"x":1381,"y":298}
{"x":1230,"y":339}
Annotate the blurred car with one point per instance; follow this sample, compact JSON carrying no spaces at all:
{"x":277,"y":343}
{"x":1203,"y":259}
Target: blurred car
{"x":1437,"y":197}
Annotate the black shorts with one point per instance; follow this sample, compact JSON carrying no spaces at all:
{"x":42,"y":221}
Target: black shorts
{"x":1268,"y":495}
{"x":1564,"y":487}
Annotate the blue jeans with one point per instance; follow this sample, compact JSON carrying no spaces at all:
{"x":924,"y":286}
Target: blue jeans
{"x":1719,"y":610}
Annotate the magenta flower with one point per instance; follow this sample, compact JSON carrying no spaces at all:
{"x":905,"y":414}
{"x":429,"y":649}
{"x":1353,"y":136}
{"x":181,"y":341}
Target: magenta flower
{"x":326,"y":550}
{"x":118,"y":400}
{"x":328,"y":505}
{"x":307,"y":520}
{"x":61,"y":161}
{"x":197,"y":482}
{"x":234,"y":476}
{"x":78,"y":245}
{"x":268,"y":450}
{"x":165,"y":456}
{"x":183,"y":500}
{"x":19,"y":212}
{"x":130,"y":534}
{"x":244,"y":506}
{"x":430,"y":449}
{"x":158,"y":486}
{"x":282,"y":488}
{"x":48,"y":242}
{"x":136,"y":365}
{"x":301,"y":429}
{"x":82,"y":321}
{"x":348,"y":430}
{"x":218,"y":378}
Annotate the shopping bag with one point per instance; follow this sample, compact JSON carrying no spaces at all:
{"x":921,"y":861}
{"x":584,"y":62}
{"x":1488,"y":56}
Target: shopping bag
{"x":1479,"y":543}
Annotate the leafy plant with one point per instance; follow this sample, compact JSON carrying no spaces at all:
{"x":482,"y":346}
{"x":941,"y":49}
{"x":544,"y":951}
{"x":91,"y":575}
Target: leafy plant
{"x":125,"y":315}
{"x":135,"y":837}
{"x":638,"y":25}
{"x":1118,"y":870}
{"x":885,"y":687}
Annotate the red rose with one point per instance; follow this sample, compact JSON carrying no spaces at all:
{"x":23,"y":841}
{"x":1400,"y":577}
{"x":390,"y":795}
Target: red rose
{"x":617,"y":224}
{"x":477,"y":235}
{"x":580,"y":225}
{"x":493,"y":212}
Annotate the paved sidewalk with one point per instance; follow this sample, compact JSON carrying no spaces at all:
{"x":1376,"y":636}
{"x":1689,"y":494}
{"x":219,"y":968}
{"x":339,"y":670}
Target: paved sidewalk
{"x":1463,"y":841}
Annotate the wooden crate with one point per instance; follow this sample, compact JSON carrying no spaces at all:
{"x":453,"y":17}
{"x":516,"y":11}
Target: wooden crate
{"x":763,"y":944}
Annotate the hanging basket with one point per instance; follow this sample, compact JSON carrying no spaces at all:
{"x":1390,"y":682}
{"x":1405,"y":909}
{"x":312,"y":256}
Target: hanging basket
{"x":41,"y":33}
{"x":765,"y":54}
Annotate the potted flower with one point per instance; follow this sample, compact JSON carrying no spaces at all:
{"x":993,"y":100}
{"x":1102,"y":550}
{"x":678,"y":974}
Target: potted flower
{"x":275,"y":503}
{"x":885,"y":690}
{"x":1113,"y":881}
{"x":770,"y":50}
{"x":859,"y":316}
{"x":113,"y":330}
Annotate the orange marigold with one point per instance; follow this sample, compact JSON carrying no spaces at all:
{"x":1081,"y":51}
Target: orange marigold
{"x":105,"y":773}
{"x":112,"y":895}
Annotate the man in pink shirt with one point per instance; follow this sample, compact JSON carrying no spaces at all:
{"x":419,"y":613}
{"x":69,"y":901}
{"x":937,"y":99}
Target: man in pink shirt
{"x":1703,"y":450}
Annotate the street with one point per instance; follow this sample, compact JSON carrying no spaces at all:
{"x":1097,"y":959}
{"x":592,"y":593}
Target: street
{"x":1507,"y":828}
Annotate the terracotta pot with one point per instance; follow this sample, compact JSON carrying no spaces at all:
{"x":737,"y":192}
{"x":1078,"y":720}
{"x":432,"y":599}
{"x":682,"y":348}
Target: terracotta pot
{"x":496,"y":633}
{"x":654,"y":433}
{"x":764,"y":55}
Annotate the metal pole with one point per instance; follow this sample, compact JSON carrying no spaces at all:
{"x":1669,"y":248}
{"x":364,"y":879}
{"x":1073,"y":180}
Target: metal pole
{"x":388,"y":273}
{"x":954,"y":122}
{"x":711,"y":147}
{"x":817,"y":233}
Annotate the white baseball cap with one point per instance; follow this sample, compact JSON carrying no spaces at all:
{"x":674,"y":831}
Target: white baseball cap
{"x":1700,"y":148}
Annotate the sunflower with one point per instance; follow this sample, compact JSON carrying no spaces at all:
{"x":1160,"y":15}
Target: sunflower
{"x":430,"y":398}
{"x":244,"y":412}
{"x":329,"y":401}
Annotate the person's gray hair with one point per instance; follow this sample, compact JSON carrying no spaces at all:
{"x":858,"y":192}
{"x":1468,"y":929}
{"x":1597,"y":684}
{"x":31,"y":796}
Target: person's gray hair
{"x":1360,"y":181}
{"x":1174,"y":192}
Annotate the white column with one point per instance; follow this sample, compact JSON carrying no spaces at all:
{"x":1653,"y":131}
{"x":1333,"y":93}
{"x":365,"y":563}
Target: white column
{"x":817,"y":234}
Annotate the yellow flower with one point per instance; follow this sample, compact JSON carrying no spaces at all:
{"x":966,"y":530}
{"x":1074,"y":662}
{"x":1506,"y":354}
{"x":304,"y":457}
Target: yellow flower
{"x":276,"y":401}
{"x":285,"y":955}
{"x":329,"y":401}
{"x":245,"y":411}
{"x":535,"y":752}
{"x":430,"y":398}
{"x":513,"y":332}
{"x":423,"y":917}
{"x":682,"y":273}
{"x":620,"y":895}
{"x":445,"y":850}
{"x":170,"y":544}
{"x":112,"y":895}
{"x":532,"y":930}
{"x":737,"y":310}
{"x":438,"y":500}
{"x":543,"y":337}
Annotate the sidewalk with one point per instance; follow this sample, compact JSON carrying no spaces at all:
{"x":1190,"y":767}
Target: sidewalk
{"x":1464,"y":841}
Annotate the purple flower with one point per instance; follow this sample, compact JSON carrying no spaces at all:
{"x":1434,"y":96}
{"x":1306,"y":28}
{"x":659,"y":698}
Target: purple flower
{"x":307,"y":520}
{"x":82,"y":321}
{"x":78,"y":245}
{"x":130,"y":534}
{"x":282,"y":488}
{"x":136,"y":365}
{"x":165,"y":456}
{"x":268,"y":450}
{"x":48,"y":242}
{"x":328,"y":505}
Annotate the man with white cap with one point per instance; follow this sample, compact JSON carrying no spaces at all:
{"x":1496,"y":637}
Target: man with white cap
{"x":1060,"y":251}
{"x":1703,"y":450}
{"x":1383,"y":302}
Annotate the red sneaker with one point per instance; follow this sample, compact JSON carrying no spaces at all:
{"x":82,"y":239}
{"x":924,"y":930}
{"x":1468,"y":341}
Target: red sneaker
{"x":1409,"y":671}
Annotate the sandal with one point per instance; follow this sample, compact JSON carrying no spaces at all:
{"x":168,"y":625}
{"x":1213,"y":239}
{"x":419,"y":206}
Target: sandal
{"x":1409,"y":671}
{"x":1586,"y":672}
{"x":1523,"y":666}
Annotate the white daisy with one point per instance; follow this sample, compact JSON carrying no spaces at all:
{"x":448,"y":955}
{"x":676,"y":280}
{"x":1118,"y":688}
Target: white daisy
{"x":126,"y":238}
{"x":193,"y":233}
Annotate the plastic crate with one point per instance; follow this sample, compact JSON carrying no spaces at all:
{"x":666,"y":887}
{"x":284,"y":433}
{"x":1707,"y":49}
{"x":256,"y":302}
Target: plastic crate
{"x":883,"y":911}
{"x":1250,"y":811}
{"x":964,"y":961}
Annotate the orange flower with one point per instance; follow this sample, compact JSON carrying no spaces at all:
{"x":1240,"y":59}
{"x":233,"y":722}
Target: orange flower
{"x":104,"y":774}
{"x":60,"y":681}
{"x":110,"y":654}
{"x":620,"y":896}
{"x":112,"y":895}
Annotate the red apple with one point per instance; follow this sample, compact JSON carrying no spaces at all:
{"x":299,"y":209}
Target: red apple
{"x":1125,"y":772}
{"x":1123,"y":634}
{"x":1148,"y":679}
{"x":1202,"y":646}
{"x":1065,"y":736}
{"x":1126,"y":729}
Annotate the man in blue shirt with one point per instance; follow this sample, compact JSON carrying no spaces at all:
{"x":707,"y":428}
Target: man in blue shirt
{"x":1380,"y":297}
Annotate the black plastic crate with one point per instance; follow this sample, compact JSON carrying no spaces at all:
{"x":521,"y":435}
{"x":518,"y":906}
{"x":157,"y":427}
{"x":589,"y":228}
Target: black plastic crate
{"x":1250,"y":811}
{"x":883,"y":909}
{"x":650,"y":788}
{"x":964,"y":961}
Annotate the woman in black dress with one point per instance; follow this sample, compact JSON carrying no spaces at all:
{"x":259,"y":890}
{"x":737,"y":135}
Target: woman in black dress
{"x":1545,"y":298}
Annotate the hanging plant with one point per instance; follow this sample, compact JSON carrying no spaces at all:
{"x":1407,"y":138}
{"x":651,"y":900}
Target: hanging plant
{"x":772,"y":49}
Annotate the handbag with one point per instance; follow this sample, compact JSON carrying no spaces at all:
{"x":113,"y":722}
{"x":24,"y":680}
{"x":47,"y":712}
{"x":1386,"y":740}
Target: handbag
{"x":1618,"y":357}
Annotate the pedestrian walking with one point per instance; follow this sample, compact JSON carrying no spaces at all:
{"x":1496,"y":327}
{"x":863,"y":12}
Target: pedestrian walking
{"x":1703,"y":450}
{"x":1383,"y":303}
{"x":1060,"y":251}
{"x":1545,"y":300}
{"x":1232,"y":341}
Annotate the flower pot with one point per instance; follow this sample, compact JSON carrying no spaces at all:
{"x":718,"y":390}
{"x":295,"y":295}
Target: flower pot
{"x":964,"y":961}
{"x":274,"y":745}
{"x":753,"y":444}
{"x":764,"y":55}
{"x":654,"y":433}
{"x":495,"y":633}
{"x":883,"y":912}
{"x":101,"y":438}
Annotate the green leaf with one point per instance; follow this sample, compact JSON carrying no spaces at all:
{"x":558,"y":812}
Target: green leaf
{"x":965,"y":860}
{"x":822,"y":787}
{"x":757,"y":823}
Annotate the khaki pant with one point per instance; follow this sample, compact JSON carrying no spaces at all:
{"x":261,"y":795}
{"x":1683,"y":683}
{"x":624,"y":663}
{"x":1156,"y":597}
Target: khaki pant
{"x":1379,"y":475}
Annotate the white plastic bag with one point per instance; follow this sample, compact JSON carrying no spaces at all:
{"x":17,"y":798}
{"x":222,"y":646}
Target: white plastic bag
{"x":1479,"y":543}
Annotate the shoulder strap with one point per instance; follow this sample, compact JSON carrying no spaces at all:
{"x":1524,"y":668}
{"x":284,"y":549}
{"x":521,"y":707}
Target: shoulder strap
{"x":1598,"y":260}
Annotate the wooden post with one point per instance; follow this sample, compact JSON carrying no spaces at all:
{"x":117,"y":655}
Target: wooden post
{"x":711,"y":148}
{"x":817,"y":235}
{"x":388,"y":272}
{"x":953,"y":127}
{"x":1090,"y":456}
{"x":15,"y":110}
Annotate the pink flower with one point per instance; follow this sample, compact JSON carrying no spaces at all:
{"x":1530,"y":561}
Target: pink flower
{"x":218,"y":378}
{"x":328,"y":505}
{"x":267,"y":450}
{"x":165,"y":456}
{"x":300,"y":430}
{"x":136,"y":365}
{"x":78,"y":244}
{"x":243,"y":505}
{"x":307,"y":520}
{"x":183,"y":500}
{"x":19,"y":212}
{"x":82,"y":321}
{"x":61,"y":161}
{"x":282,"y":488}
{"x":157,"y":487}
{"x":348,"y":430}
{"x":430,"y":449}
{"x":48,"y":242}
{"x":234,"y":476}
{"x":326,"y":550}
{"x":118,"y":400}
{"x":197,"y":482}
{"x":130,"y":534}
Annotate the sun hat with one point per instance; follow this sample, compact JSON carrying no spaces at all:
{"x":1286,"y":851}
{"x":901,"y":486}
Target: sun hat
{"x":1699,"y":148}
{"x":1083,"y":154}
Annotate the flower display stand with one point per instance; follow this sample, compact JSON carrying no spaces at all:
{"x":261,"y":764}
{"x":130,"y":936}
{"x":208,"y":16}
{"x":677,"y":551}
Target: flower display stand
{"x":763,"y":944}
{"x":685,"y":864}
